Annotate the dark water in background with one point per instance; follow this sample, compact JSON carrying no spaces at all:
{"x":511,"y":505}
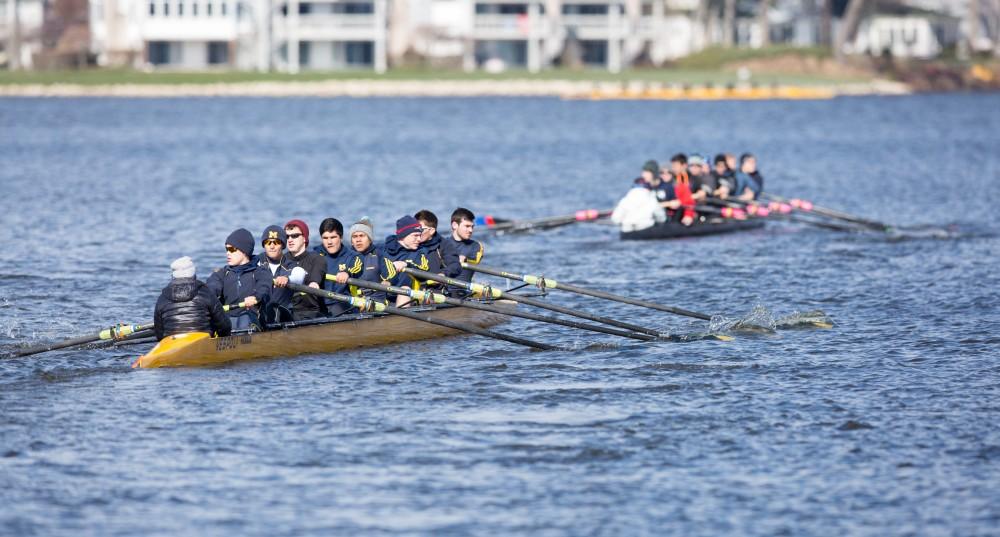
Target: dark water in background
{"x":886,"y":424}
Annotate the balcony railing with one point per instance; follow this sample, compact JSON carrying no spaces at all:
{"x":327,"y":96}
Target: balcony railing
{"x":506,"y":23}
{"x":329,"y":20}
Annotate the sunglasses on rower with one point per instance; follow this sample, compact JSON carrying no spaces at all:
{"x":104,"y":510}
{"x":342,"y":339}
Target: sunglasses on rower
{"x":231,"y":249}
{"x":293,"y":235}
{"x":272,"y":242}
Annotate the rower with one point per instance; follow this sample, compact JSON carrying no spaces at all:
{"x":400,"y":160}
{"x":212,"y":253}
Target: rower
{"x":279,"y":307}
{"x":652,"y":181}
{"x":241,"y":281}
{"x":750,"y":183}
{"x":683,"y":204}
{"x":305,"y":306}
{"x":339,"y":258}
{"x":460,"y":247}
{"x":373,"y":267}
{"x":724,"y":179}
{"x":403,"y":249}
{"x":702,"y":182}
{"x":187,"y":305}
{"x":430,"y":241}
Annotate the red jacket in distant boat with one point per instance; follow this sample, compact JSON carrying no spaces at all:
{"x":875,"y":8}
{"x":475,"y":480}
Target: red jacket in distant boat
{"x":682,"y":189}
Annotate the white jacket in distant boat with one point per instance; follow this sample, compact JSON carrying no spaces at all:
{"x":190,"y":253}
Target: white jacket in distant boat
{"x":639,"y":209}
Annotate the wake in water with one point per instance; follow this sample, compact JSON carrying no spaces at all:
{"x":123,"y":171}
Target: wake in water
{"x":762,"y":320}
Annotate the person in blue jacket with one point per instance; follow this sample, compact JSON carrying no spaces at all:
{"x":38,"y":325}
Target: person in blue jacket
{"x":370,"y":265}
{"x":403,"y":250}
{"x":280,"y":265}
{"x":339,"y":258}
{"x":430,"y":241}
{"x":241,"y":281}
{"x":460,"y":247}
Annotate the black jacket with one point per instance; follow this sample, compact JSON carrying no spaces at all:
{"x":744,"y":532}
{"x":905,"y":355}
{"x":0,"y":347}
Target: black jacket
{"x":187,"y":305}
{"x":306,"y":306}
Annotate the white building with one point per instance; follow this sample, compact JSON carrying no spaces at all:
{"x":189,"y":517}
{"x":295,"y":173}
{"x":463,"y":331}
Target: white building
{"x":244,"y":34}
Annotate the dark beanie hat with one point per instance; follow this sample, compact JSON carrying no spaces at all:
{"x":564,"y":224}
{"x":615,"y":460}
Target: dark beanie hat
{"x":273,"y":232}
{"x":651,"y":166}
{"x":242,"y":240}
{"x":302,"y":226}
{"x":406,"y":225}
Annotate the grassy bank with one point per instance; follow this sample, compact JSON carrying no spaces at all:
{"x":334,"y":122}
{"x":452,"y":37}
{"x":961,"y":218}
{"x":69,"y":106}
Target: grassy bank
{"x":678,"y":75}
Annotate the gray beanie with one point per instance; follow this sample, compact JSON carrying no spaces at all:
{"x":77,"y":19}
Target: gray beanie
{"x":364,"y":226}
{"x":182,"y":267}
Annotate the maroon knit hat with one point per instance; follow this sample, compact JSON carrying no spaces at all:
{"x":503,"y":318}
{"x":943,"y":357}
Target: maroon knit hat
{"x":302,"y":226}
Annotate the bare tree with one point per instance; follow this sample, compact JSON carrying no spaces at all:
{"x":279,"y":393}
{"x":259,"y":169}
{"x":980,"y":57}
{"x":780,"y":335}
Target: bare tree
{"x":848,"y":26}
{"x":728,"y":23}
{"x":826,"y":23}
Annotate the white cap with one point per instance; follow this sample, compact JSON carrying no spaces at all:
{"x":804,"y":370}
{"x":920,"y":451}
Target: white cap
{"x":182,"y":268}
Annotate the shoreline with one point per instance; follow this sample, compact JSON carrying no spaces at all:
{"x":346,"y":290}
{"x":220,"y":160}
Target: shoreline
{"x":566,"y":89}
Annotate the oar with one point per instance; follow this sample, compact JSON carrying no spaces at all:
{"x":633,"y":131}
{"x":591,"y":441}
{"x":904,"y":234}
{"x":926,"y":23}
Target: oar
{"x":116,"y":332}
{"x":438,"y":298}
{"x":512,"y":226}
{"x":365,"y":304}
{"x":545,"y":283}
{"x":491,"y":292}
{"x":778,"y":213}
{"x":228,"y":307}
{"x":807,"y":206}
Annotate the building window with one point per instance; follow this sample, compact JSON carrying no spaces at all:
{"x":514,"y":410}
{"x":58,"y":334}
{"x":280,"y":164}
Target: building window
{"x":180,"y":9}
{"x":304,"y":53}
{"x":159,"y":52}
{"x":218,"y":52}
{"x":594,"y":52}
{"x":585,"y":9}
{"x":359,"y":52}
{"x":208,"y":9}
{"x":152,"y":9}
{"x":501,"y":9}
{"x":222,"y":9}
{"x":194,"y":9}
{"x":166,"y":9}
{"x":354,"y":8}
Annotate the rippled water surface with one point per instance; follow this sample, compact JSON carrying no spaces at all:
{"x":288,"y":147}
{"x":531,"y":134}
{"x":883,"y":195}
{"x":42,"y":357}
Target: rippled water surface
{"x":886,"y":424}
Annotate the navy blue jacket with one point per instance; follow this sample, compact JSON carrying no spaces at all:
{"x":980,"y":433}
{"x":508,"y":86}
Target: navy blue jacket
{"x":431,"y":248}
{"x":451,"y":249}
{"x":281,"y":296}
{"x":744,"y":181}
{"x":393,"y":251}
{"x":346,"y":258}
{"x":232,"y":284}
{"x":374,"y":268}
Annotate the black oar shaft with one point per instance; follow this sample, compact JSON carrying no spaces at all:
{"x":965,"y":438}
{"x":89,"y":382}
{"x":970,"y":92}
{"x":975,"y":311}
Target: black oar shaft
{"x":439,"y":298}
{"x":354,"y":301}
{"x":553,"y":284}
{"x":830,"y":213}
{"x":533,"y":302}
{"x":115,"y":332}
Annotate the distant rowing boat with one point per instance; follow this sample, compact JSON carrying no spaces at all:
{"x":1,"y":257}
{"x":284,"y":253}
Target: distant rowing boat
{"x":674,"y":230}
{"x":350,"y":332}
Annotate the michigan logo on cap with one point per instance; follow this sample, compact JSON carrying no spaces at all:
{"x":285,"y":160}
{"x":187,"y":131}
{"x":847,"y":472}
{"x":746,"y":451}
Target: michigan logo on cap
{"x":272,"y":234}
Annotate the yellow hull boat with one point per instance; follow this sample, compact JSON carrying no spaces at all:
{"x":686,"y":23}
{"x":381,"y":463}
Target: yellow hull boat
{"x":199,"y":348}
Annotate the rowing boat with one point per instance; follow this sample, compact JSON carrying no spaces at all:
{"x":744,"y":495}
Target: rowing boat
{"x":325,"y":336}
{"x":674,"y":230}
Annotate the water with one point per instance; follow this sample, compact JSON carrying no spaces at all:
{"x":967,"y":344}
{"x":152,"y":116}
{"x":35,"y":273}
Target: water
{"x":885,"y":424}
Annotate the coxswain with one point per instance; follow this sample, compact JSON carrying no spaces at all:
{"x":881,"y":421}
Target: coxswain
{"x":683,"y":204}
{"x":241,"y":281}
{"x":188,"y":305}
{"x":339,"y":257}
{"x":280,"y":265}
{"x":403,"y":250}
{"x":370,"y":264}
{"x":652,"y":181}
{"x":639,"y":209}
{"x":460,"y":247}
{"x":430,"y":241}
{"x":304,"y":305}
